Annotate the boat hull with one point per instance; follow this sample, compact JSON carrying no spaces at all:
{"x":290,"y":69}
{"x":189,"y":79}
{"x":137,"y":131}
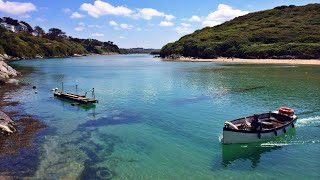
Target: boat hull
{"x":240,"y":137}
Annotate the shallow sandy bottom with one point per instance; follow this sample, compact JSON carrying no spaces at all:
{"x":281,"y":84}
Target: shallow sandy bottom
{"x":253,"y":61}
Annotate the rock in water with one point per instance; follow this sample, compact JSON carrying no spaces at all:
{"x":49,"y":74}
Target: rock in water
{"x":7,"y":71}
{"x":6,"y":124}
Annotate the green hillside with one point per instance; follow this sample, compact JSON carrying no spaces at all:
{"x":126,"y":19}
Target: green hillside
{"x":34,"y":43}
{"x":282,"y":32}
{"x":24,"y":45}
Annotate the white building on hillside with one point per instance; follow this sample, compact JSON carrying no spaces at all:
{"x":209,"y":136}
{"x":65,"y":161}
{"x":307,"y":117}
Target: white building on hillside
{"x":20,"y":27}
{"x":8,"y":27}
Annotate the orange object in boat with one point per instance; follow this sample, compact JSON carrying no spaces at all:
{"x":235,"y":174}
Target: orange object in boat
{"x":286,"y":111}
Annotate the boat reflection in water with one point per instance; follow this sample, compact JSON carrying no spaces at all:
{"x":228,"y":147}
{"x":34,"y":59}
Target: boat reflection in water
{"x":68,"y":103}
{"x":233,"y":153}
{"x":72,"y":106}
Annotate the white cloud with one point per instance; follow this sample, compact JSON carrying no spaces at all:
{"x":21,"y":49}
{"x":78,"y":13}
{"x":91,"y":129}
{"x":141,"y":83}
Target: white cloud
{"x":194,"y":19}
{"x":222,"y":14}
{"x":183,"y":30}
{"x":94,"y":26}
{"x":166,"y":23}
{"x":122,"y":37}
{"x":126,"y":26}
{"x":25,"y":16}
{"x":116,"y":28}
{"x":16,"y":8}
{"x":97,"y":34}
{"x":139,"y":29}
{"x":76,"y":15}
{"x":185,"y":24}
{"x":149,"y":13}
{"x":40,"y":19}
{"x":169,"y":17}
{"x":113,"y":23}
{"x":79,"y":28}
{"x":66,"y":10}
{"x":100,"y":8}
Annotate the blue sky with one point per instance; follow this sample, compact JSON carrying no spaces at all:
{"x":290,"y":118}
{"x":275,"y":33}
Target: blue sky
{"x":133,"y":23}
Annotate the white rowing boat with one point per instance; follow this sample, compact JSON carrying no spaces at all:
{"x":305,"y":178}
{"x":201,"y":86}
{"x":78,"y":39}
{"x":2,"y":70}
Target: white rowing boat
{"x":270,"y":125}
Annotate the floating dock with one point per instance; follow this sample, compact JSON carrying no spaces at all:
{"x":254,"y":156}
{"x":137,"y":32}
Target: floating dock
{"x":81,"y":99}
{"x":75,"y":97}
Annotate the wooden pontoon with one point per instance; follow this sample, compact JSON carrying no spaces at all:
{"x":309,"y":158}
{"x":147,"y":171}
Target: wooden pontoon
{"x":75,"y":97}
{"x":81,"y":99}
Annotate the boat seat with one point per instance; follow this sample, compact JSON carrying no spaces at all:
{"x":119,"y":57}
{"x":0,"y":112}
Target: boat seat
{"x":267,"y":125}
{"x":275,"y":120}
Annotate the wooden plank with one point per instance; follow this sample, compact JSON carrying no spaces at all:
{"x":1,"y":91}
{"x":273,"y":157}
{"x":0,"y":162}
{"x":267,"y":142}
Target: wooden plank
{"x":75,"y":97}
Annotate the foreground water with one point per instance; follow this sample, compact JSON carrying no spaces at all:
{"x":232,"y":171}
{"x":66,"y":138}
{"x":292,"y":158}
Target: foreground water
{"x":163,"y":120}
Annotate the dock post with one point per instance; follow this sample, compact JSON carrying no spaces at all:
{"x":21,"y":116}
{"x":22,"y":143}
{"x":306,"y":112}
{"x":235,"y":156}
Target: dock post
{"x":93,"y":95}
{"x":62,"y":87}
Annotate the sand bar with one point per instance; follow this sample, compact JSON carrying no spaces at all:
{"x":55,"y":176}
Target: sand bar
{"x":251,"y":61}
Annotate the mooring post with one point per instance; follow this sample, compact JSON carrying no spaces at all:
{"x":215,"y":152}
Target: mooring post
{"x":62,"y":87}
{"x":93,"y":96}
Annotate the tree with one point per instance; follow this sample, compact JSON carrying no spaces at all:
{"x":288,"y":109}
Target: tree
{"x":55,"y":33}
{"x":39,"y":31}
{"x":29,"y":28}
{"x":11,"y":21}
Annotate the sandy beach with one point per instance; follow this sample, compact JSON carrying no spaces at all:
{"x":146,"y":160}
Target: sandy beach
{"x":251,"y":61}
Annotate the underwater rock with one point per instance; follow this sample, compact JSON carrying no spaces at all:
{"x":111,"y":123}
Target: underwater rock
{"x":120,"y":118}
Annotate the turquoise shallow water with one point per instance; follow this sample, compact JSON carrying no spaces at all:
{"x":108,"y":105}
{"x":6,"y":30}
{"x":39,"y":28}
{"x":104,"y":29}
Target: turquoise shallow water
{"x":163,"y":120}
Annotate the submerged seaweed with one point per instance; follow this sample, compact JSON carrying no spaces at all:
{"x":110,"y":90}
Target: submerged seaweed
{"x":120,"y":118}
{"x":98,"y":153}
{"x":19,"y":153}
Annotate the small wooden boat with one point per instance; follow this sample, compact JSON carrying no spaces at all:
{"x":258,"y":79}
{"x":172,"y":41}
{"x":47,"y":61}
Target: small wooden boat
{"x":270,"y":125}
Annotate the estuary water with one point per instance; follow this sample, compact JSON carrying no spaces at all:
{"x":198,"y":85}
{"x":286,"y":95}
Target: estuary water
{"x":164,"y":120}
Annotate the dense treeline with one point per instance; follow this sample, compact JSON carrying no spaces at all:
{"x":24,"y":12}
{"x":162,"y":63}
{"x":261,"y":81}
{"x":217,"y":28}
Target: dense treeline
{"x":35,"y":42}
{"x":282,"y":32}
{"x":98,"y":47}
{"x":137,"y":51}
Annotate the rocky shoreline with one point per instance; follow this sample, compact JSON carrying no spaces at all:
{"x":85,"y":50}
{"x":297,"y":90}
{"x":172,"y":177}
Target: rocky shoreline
{"x":6,"y":123}
{"x":5,"y":57}
{"x":18,"y":131}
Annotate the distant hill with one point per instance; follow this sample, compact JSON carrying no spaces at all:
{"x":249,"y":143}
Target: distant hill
{"x":282,"y":32}
{"x":138,"y":51}
{"x":19,"y":40}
